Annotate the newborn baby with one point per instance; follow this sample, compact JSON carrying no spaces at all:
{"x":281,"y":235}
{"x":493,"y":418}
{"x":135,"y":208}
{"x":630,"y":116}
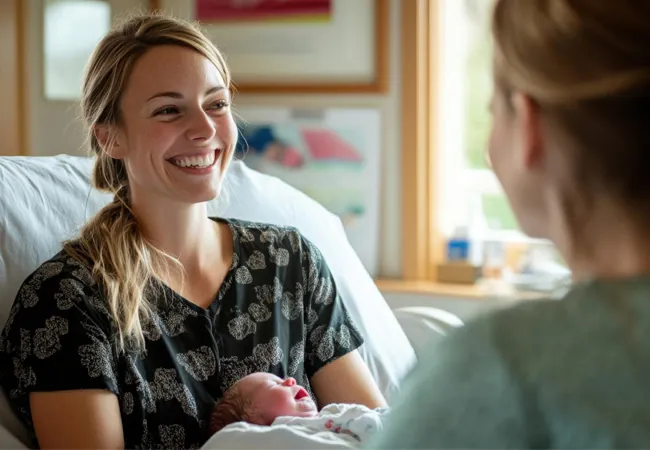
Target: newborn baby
{"x":265,"y":399}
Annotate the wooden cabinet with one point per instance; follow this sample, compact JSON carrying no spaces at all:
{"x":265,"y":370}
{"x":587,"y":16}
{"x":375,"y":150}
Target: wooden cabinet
{"x":12,"y":81}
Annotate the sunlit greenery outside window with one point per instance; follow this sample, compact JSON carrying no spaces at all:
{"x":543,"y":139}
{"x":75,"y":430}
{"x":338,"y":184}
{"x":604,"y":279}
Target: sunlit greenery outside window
{"x":469,"y":193}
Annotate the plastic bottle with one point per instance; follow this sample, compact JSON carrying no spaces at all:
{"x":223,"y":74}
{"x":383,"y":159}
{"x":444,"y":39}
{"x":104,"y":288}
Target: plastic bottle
{"x":458,"y":245}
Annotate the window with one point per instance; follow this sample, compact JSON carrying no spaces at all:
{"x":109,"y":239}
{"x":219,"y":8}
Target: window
{"x":446,"y":182}
{"x":470,"y":194}
{"x":72,"y":29}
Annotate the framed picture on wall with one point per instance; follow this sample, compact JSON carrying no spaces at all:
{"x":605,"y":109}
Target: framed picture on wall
{"x":296,"y":46}
{"x":333,"y":155}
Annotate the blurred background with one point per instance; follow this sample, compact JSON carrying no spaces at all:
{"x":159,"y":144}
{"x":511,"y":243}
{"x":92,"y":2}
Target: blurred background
{"x":388,"y":97}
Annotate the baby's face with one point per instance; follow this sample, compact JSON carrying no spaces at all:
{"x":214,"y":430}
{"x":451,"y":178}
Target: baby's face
{"x":272,"y":397}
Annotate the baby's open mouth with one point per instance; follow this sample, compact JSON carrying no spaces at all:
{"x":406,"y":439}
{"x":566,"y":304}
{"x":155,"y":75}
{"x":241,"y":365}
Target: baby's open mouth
{"x":302,"y":393}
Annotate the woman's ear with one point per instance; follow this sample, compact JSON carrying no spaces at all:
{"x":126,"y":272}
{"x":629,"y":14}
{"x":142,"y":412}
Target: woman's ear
{"x":528,"y":116}
{"x":108,"y":141}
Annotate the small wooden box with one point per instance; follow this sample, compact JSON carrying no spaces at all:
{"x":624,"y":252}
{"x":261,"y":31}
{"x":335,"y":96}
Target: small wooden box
{"x":458,"y":273}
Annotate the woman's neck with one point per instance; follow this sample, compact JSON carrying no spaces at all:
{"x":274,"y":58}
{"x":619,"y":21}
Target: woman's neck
{"x":609,"y":245}
{"x":181,"y":230}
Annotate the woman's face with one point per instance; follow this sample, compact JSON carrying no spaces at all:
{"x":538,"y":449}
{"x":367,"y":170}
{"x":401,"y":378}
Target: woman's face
{"x":517,"y":158}
{"x":177,"y":134}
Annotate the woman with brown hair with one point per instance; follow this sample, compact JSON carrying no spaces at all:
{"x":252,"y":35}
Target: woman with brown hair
{"x":129,"y":335}
{"x":570,"y":144}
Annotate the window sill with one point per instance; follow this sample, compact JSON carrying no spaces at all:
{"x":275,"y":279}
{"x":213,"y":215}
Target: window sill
{"x":479,"y":291}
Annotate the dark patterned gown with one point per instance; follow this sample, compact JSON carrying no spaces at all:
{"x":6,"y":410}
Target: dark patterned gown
{"x":277,"y":311}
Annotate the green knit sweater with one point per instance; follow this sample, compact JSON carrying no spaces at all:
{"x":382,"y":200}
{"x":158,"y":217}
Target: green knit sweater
{"x":570,"y":373}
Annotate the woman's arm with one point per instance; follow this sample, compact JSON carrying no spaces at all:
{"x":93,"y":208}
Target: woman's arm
{"x":336,"y":370}
{"x":63,"y":360}
{"x":79,"y":419}
{"x":347,"y":380}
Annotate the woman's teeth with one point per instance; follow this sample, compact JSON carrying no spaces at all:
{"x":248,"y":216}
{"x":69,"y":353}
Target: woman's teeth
{"x":199,"y":162}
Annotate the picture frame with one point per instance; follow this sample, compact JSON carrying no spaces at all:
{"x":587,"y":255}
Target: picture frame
{"x":346,"y":54}
{"x":331,"y":154}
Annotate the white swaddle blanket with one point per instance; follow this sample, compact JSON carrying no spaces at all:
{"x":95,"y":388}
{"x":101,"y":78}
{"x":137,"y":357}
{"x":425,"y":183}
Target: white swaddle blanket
{"x":337,"y":426}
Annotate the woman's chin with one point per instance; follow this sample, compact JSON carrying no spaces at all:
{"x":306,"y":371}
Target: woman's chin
{"x":196,"y":194}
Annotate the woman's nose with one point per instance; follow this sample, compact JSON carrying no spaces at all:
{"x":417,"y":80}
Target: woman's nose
{"x":289,"y":382}
{"x":200,"y":127}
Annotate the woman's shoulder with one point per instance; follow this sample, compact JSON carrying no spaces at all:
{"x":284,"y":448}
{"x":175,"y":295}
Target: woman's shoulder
{"x":59,"y":286}
{"x":62,"y":269}
{"x":266,"y":236}
{"x":506,"y":335}
{"x":590,"y":307}
{"x":587,"y":316}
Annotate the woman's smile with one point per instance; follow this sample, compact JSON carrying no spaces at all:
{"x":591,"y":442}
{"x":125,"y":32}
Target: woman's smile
{"x":197,"y":163}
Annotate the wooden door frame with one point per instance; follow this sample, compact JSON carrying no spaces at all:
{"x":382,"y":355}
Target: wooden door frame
{"x":13,"y":80}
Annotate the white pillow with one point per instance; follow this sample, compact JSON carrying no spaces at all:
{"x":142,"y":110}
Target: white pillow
{"x":46,"y":200}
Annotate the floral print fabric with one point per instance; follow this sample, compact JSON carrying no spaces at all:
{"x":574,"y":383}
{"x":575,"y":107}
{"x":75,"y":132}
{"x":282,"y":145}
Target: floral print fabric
{"x":277,"y":311}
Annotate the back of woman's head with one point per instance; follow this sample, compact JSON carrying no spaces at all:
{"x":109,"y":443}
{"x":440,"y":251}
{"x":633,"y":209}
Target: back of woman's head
{"x":112,"y":243}
{"x":586,"y":64}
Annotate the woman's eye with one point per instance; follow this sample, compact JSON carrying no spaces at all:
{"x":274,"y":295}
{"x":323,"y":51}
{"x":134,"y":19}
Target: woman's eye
{"x":166,"y":111}
{"x":219,"y":105}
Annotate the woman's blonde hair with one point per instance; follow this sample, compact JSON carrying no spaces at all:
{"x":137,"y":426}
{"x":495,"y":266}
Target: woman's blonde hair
{"x":586,"y":65}
{"x":126,"y":265}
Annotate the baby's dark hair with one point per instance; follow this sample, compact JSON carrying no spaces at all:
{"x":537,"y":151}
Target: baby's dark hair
{"x":231,"y":408}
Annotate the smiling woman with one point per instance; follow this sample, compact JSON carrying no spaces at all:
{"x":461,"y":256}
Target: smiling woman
{"x":162,"y":121}
{"x":129,"y":335}
{"x":201,"y":162}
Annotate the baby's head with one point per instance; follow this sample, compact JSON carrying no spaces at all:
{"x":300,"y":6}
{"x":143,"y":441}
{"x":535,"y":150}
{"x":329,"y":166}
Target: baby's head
{"x":260,"y":398}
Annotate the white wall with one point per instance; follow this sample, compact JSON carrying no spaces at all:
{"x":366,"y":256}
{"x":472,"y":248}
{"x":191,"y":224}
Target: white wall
{"x":54,"y":126}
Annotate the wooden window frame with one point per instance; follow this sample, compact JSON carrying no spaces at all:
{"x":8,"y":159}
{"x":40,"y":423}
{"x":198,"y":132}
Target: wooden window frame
{"x":422,"y":239}
{"x":422,"y":243}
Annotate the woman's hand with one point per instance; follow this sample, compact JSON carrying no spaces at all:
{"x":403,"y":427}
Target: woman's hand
{"x":77,"y":419}
{"x":347,"y":380}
